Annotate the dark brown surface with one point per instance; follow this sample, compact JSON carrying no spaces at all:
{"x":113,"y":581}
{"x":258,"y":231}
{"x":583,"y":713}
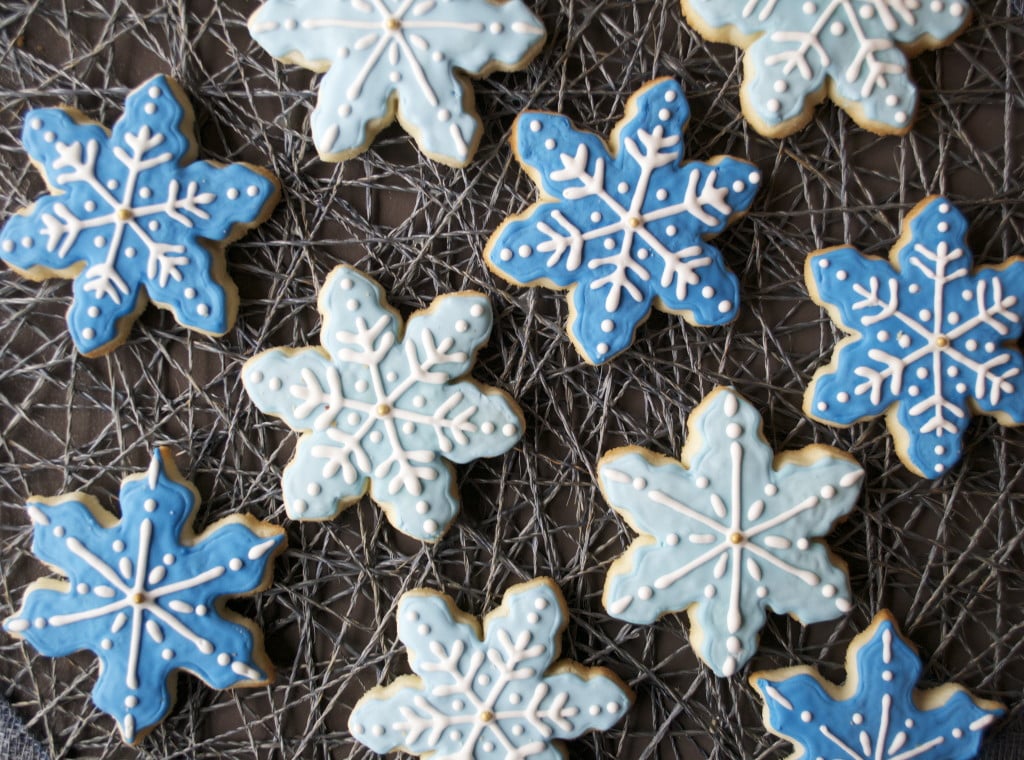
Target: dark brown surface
{"x":947,"y":556}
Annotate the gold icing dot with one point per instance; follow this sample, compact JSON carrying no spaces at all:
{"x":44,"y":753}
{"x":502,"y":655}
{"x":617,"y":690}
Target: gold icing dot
{"x":393,"y":23}
{"x":138,"y":598}
{"x":486,"y":716}
{"x":383,"y":409}
{"x":634,"y":221}
{"x":124,"y":214}
{"x":736,"y":538}
{"x":942,"y":341}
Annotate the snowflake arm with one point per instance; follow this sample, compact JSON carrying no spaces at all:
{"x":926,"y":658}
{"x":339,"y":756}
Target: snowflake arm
{"x":853,"y":50}
{"x":729,"y":531}
{"x":398,"y":57}
{"x":146,"y":595}
{"x":930,"y":336}
{"x":382,"y":406}
{"x":877,"y":714}
{"x":131,"y":214}
{"x":624,"y":230}
{"x":490,"y":694}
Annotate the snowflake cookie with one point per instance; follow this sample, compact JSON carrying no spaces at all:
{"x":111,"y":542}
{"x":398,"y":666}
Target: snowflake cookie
{"x":398,"y":58}
{"x":729,"y":531}
{"x":931,"y":340}
{"x":854,"y":51}
{"x":877,"y":714}
{"x":131,"y":214}
{"x":383,"y":411}
{"x":624,"y":226}
{"x":491,"y":695}
{"x":146,"y":594}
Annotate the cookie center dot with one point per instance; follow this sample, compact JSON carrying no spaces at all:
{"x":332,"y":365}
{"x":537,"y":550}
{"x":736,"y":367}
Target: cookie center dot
{"x":383,"y":410}
{"x":138,"y":598}
{"x":736,"y":538}
{"x":486,"y":716}
{"x":124,"y":214}
{"x":392,"y":23}
{"x":633,"y":221}
{"x":941,"y":341}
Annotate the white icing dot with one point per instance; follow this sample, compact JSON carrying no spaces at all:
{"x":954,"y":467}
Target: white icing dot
{"x":150,"y":505}
{"x":644,"y":593}
{"x":376,"y":436}
{"x":299,"y":506}
{"x":517,"y":729}
{"x":733,"y":430}
{"x":275,"y":383}
{"x":828,"y":591}
{"x":670,"y":96}
{"x":886,"y":675}
{"x":89,"y":205}
{"x":990,"y":347}
{"x":488,"y":746}
{"x":201,"y":610}
{"x":252,"y":191}
{"x":509,"y":430}
{"x":827,"y":492}
{"x":525,"y":251}
{"x":82,"y":588}
{"x":422,"y":507}
{"x":953,"y":371}
{"x":89,"y":333}
{"x":550,"y":144}
{"x":313,"y":489}
{"x":515,"y":697}
{"x":639,"y":484}
{"x":802,"y":544}
{"x":49,"y":137}
{"x":922,"y":373}
{"x":913,"y":287}
{"x":837,"y":28}
{"x":167,"y":654}
{"x":709,"y":591}
{"x":943,"y":226}
{"x":483,"y":679}
{"x":505,"y":254}
{"x":377,"y":730}
{"x":623,"y":187}
{"x":773,"y":105}
{"x":661,"y":194}
{"x":408,"y":428}
{"x":664,"y":114}
{"x":914,"y":390}
{"x":430,"y":527}
{"x":866,"y":11}
{"x":36,"y":123}
{"x":437,"y":55}
{"x":702,"y":482}
{"x":842,"y":397}
{"x":106,"y":644}
{"x":496,"y":28}
{"x":806,"y":716}
{"x":59,"y":531}
{"x":353,"y":418}
{"x":903,"y":341}
{"x":203,"y":310}
{"x":858,"y":718}
{"x":112,"y":184}
{"x":395,"y":76}
{"x":99,"y":241}
{"x":487,"y":428}
{"x":232,"y":193}
{"x":762,"y":591}
{"x":461,"y":326}
{"x":733,"y":645}
{"x":958,"y":733}
{"x":725,"y":306}
{"x":129,"y":252}
{"x":770,"y":489}
{"x":891,"y":100}
{"x":352,"y":304}
{"x":235,"y":564}
{"x":924,"y":314}
{"x":823,"y":263}
{"x":154,"y":92}
{"x":476,"y":310}
{"x":641,"y":254}
{"x":672,"y":539}
{"x":612,"y":707}
{"x":535,"y":125}
{"x":937,"y":6}
{"x":145,"y":192}
{"x":822,"y":406}
{"x":154,"y":225}
{"x":781,"y":85}
{"x":809,"y":8}
{"x":8,"y":246}
{"x":602,"y":348}
{"x":118,"y":545}
{"x":707,"y":291}
{"x":595,"y":710}
{"x":223,"y":659}
{"x":533,"y":618}
{"x":256,"y":376}
{"x":149,"y":108}
{"x":541,"y":604}
{"x":841,"y":275}
{"x":883,"y":335}
{"x":940,"y":468}
{"x":361,"y":385}
{"x":956,"y":10}
{"x":607,"y":325}
{"x":423,"y":629}
{"x":961,"y":387}
{"x":738,"y":186}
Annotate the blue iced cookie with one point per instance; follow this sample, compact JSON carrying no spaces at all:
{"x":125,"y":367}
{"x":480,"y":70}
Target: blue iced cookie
{"x":384,"y":409}
{"x":489,"y":692}
{"x":623,"y":226}
{"x":146,"y":594}
{"x":932,"y":340}
{"x":131,"y":214}
{"x":878,"y":714}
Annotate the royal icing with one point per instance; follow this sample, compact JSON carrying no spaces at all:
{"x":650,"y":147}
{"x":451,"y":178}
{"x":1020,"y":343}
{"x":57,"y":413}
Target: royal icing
{"x":930,"y":337}
{"x":624,"y":228}
{"x":131,"y":213}
{"x":499,"y":695}
{"x":877,"y":714}
{"x":729,"y":531}
{"x":383,"y":408}
{"x":856,"y":50}
{"x":383,"y":57}
{"x":146,"y":595}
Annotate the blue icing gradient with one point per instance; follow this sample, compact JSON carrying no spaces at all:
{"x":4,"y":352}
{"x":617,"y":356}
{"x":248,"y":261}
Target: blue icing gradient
{"x":383,"y":411}
{"x":127,"y":213}
{"x":408,"y":57}
{"x":930,"y":336}
{"x":854,"y":47}
{"x":726,"y":534}
{"x":627,"y":231}
{"x":143,"y":595}
{"x":490,"y":696}
{"x":881,"y":718}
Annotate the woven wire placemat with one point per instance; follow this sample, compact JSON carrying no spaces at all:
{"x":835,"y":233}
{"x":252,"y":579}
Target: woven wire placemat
{"x":947,"y":556}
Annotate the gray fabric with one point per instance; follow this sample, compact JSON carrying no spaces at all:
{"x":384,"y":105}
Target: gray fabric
{"x":946,"y":557}
{"x":15,"y":741}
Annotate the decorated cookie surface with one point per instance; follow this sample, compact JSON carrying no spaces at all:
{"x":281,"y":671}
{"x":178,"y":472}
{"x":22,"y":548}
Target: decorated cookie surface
{"x":855,"y":51}
{"x":491,"y":694}
{"x":729,"y":531}
{"x":877,"y":714}
{"x":131,"y":214}
{"x":146,"y":595}
{"x":398,"y":58}
{"x":624,"y":226}
{"x":382,"y":408}
{"x":931,"y":341}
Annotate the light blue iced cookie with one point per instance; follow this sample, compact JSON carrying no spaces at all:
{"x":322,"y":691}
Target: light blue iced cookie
{"x":131,"y":214}
{"x":624,"y":225}
{"x":878,"y":714}
{"x":728,"y":532}
{"x":932,"y":340}
{"x":404,"y":59}
{"x":489,"y":694}
{"x":854,"y":51}
{"x":382,"y":408}
{"x":147,"y":595}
